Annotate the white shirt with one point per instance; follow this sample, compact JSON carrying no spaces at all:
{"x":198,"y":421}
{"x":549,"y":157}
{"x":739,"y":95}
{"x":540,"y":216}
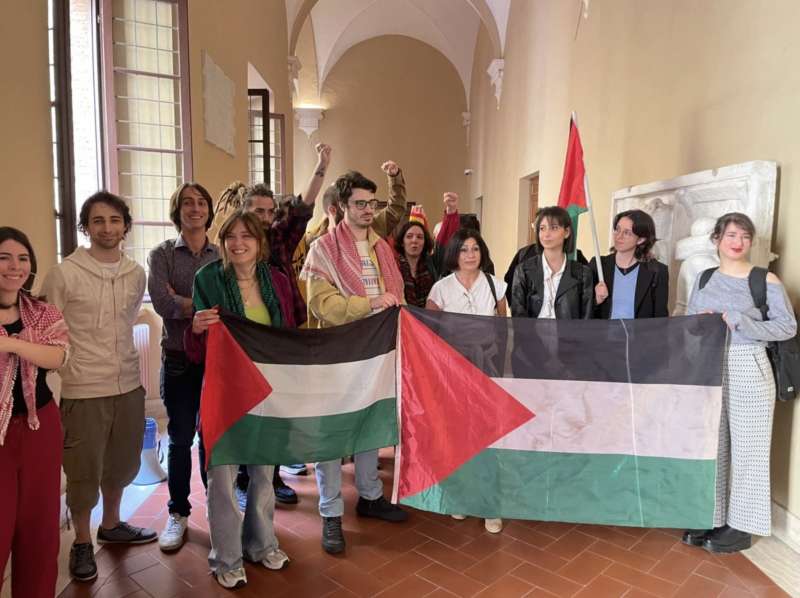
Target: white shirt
{"x":369,"y":273}
{"x":450,"y":295}
{"x":551,"y":282}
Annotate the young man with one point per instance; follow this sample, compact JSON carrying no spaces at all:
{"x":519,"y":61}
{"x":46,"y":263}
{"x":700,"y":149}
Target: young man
{"x":351,"y":273}
{"x":173,"y":265}
{"x":99,"y":290}
{"x":383,"y":222}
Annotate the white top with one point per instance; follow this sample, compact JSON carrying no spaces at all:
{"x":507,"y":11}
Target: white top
{"x":551,"y":282}
{"x":450,"y":295}
{"x":369,"y":273}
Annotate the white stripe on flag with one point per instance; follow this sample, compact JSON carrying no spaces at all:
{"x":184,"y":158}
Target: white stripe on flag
{"x":678,"y":421}
{"x":332,"y":389}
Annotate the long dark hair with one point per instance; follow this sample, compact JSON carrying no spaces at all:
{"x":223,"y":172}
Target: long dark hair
{"x":9,"y":233}
{"x":644,"y":228}
{"x":398,"y":239}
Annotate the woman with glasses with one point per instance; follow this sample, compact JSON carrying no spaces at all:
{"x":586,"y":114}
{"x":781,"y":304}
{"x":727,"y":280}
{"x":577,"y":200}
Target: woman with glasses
{"x":636,"y":284}
{"x":748,"y":387}
{"x":549,"y":285}
{"x":469,"y":290}
{"x":242,"y":282}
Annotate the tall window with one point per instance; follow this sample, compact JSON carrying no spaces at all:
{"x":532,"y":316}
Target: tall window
{"x":63,"y":188}
{"x":265,"y":142}
{"x":146,"y":111}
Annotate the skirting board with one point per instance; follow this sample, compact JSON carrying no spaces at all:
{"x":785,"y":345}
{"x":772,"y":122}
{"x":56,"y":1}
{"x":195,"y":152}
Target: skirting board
{"x":786,"y":527}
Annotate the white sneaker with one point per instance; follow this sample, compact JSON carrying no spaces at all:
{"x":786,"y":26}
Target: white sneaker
{"x":275,"y":560}
{"x":235,"y":578}
{"x":493,"y":526}
{"x":175,"y":530}
{"x":459,"y":517}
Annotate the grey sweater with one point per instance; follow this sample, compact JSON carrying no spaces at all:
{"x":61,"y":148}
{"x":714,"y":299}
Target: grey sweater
{"x":724,"y":293}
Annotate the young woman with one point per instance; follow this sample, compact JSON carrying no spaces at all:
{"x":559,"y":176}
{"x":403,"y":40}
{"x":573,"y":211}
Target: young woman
{"x":33,"y":339}
{"x":241,"y":282}
{"x":469,"y":290}
{"x":748,"y":388}
{"x":413,"y":244}
{"x":636,"y":284}
{"x":549,"y":285}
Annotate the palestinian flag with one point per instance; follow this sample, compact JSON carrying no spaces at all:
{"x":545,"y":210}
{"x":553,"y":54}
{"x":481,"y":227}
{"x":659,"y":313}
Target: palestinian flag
{"x":572,"y":196}
{"x":273,"y":395}
{"x":593,"y":421}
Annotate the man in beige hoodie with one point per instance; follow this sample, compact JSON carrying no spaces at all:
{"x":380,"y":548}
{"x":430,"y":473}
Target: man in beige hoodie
{"x":100,"y":290}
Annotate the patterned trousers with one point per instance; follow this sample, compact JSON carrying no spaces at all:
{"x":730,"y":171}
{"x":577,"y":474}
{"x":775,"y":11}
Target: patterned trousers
{"x":745,"y":435}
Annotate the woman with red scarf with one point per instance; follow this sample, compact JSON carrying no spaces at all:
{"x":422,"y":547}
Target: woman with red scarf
{"x":33,"y":339}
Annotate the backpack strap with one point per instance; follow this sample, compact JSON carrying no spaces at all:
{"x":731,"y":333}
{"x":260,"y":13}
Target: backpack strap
{"x":705,"y":276}
{"x":757,"y":280}
{"x":491,"y":287}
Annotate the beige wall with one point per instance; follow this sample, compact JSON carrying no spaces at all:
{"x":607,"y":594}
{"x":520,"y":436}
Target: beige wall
{"x":25,"y":151}
{"x":394,"y":98}
{"x":661,"y":89}
{"x":235,"y":33}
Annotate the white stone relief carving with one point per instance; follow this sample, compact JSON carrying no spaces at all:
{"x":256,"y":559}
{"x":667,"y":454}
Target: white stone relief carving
{"x":495,"y":72}
{"x":685,"y":208}
{"x":218,"y":106}
{"x":308,"y":118}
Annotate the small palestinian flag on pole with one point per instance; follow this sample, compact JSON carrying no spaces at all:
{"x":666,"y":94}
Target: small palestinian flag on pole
{"x":273,"y":395}
{"x":626,"y":419}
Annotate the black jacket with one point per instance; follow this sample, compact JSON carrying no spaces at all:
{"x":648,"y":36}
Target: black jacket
{"x":574,"y":296}
{"x":523,"y":254}
{"x":652,"y":288}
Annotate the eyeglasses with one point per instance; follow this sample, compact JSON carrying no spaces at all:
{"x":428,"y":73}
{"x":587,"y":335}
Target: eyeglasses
{"x":625,"y":233}
{"x":363,"y":203}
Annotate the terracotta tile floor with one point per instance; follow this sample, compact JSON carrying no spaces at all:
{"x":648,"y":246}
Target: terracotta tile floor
{"x":430,"y":555}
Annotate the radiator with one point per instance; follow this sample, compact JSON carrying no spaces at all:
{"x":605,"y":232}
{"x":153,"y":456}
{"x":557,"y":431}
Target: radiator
{"x":141,"y":339}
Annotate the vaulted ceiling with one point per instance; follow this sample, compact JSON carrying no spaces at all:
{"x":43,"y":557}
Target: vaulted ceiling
{"x":449,"y":26}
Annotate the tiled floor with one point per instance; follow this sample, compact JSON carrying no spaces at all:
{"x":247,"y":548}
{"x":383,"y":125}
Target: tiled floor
{"x":430,"y":555}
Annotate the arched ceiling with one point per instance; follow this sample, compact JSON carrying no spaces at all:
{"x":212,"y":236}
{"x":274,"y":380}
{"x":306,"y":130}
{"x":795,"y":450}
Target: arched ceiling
{"x":449,"y":26}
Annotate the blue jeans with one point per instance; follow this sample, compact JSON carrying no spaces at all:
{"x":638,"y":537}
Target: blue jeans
{"x":231,"y":537}
{"x":329,"y":482}
{"x":181,"y":383}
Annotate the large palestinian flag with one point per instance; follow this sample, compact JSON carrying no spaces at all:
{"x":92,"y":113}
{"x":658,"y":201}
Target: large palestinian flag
{"x":274,"y":395}
{"x":612,"y":422}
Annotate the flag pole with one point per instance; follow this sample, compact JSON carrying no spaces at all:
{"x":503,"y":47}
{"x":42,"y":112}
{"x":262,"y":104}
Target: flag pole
{"x":590,"y":209}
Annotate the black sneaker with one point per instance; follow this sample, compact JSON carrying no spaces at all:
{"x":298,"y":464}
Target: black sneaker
{"x":125,"y":533}
{"x":81,"y":562}
{"x":725,"y":540}
{"x":295,"y":469}
{"x":695,"y":537}
{"x":380,"y":508}
{"x":332,"y":536}
{"x":284,"y":494}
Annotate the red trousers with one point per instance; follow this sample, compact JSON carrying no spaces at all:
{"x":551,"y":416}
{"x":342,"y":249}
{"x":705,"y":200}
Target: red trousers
{"x":30,"y":503}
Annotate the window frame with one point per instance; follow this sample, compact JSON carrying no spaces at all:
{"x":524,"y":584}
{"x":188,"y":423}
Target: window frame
{"x":109,"y":120}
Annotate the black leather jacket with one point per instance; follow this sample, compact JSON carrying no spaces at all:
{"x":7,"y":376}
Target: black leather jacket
{"x":574,"y":296}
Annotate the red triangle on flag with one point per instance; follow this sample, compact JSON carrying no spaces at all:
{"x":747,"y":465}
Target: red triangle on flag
{"x":232,"y":386}
{"x":450,"y":409}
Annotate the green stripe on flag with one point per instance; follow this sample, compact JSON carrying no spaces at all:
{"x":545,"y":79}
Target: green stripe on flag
{"x":575,"y":487}
{"x":272,"y":440}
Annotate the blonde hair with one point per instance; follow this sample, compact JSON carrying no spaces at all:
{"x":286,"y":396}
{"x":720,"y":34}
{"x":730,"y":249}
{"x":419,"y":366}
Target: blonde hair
{"x":253,"y":226}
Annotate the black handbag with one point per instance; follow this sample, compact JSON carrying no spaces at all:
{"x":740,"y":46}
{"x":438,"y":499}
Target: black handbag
{"x":783,"y":355}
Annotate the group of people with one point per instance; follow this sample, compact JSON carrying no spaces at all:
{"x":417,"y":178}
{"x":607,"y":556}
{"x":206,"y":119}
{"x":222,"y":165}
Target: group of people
{"x":258,"y":259}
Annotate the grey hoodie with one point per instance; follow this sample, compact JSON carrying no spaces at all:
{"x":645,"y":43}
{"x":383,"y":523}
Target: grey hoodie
{"x":100,"y":306}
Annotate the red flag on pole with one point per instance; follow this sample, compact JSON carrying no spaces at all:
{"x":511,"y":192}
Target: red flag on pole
{"x":572,"y":196}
